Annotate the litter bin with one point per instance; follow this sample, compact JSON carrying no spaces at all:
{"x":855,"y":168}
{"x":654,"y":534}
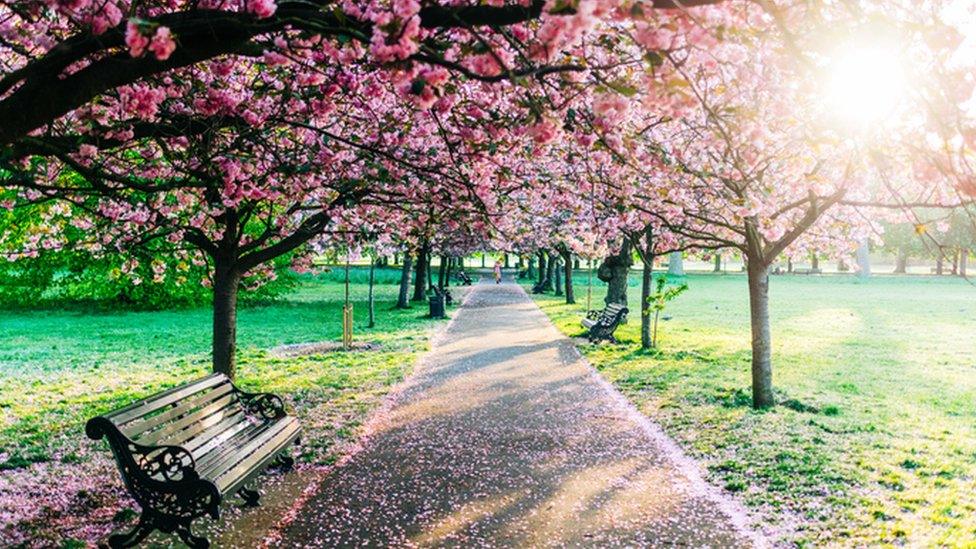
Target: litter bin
{"x":437,"y":306}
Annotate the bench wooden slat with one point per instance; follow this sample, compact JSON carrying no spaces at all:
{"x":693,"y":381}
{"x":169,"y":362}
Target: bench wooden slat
{"x":231,"y":414}
{"x":161,"y":400}
{"x":179,"y":431}
{"x":217,"y":433}
{"x":253,"y":439}
{"x":207,"y":461}
{"x":137,"y":428}
{"x":271,"y":444}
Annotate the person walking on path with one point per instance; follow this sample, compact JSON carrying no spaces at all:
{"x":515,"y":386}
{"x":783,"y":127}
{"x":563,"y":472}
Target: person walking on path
{"x":498,"y":272}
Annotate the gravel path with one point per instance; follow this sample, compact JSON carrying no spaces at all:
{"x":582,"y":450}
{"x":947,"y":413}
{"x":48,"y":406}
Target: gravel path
{"x":506,"y":437}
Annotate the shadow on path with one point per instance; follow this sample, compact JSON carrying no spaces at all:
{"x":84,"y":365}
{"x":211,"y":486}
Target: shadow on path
{"x":505,"y":437}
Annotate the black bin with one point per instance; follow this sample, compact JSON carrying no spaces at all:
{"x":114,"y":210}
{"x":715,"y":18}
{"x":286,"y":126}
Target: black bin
{"x":437,"y":306}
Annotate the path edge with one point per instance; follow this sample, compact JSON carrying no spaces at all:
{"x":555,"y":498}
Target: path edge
{"x":738,"y":514}
{"x":273,"y":538}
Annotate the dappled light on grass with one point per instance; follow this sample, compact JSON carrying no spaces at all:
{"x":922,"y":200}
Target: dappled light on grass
{"x":62,"y":368}
{"x":872,"y":441}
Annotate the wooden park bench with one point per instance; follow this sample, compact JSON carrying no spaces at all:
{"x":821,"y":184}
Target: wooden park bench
{"x":539,"y":286}
{"x":182,"y":451}
{"x":602,"y":324}
{"x":448,"y":298}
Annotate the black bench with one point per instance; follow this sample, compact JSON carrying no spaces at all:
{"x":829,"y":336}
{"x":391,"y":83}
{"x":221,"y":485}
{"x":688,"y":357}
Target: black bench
{"x":602,"y":324}
{"x":182,"y":451}
{"x":448,"y":298}
{"x":539,"y":287}
{"x":464,"y":278}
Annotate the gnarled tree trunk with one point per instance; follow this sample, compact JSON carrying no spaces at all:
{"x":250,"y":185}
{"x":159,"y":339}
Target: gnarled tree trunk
{"x":403,"y":300}
{"x":762,"y":365}
{"x":614,"y":271}
{"x":568,"y":271}
{"x":226,"y":284}
{"x":420,"y":278}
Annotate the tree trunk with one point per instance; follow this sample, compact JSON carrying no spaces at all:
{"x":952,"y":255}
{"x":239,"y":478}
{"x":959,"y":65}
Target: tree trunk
{"x":550,"y":271}
{"x":448,"y":271}
{"x":963,"y":261}
{"x":863,"y":259}
{"x":814,"y":262}
{"x":718,"y":263}
{"x":372,"y":280}
{"x":482,"y":261}
{"x":568,"y":271}
{"x":556,"y":275}
{"x":530,"y":272}
{"x":441,"y":272}
{"x":614,"y":271}
{"x":506,"y":261}
{"x":955,"y":263}
{"x":901,"y":262}
{"x":226,"y":284}
{"x":762,"y":367}
{"x":939,"y":263}
{"x":542,"y":267}
{"x":676,"y":265}
{"x":647,"y":284}
{"x":420,"y":277}
{"x":403,"y":299}
{"x":430,"y":270}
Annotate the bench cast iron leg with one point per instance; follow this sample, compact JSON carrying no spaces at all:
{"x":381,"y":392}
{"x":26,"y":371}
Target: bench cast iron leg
{"x":144,"y":528}
{"x":285,"y":461}
{"x":195,"y":542}
{"x":250,"y":497}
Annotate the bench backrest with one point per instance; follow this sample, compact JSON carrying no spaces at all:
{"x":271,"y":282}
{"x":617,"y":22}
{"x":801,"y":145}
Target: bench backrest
{"x":193,"y":415}
{"x":612,"y":311}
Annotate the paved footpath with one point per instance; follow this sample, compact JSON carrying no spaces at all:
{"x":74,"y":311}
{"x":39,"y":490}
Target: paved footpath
{"x":505,"y":437}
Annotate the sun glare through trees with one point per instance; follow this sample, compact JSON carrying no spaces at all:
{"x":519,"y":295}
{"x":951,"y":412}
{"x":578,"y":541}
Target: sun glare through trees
{"x":515,"y":273}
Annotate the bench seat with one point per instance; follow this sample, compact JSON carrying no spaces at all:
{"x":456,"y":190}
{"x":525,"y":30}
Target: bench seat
{"x":181,"y":451}
{"x":602,"y":324}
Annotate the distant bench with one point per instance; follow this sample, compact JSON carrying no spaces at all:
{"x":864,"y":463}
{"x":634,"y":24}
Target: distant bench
{"x":464,"y":278}
{"x":602,"y":324}
{"x":182,"y":451}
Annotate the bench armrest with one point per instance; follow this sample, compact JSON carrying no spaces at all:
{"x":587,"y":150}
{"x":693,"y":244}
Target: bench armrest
{"x":267,"y":405}
{"x":167,"y":463}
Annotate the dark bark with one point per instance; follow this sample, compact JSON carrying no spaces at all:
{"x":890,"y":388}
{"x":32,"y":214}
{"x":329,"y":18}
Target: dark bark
{"x":482,"y":261}
{"x":226,"y":284}
{"x":420,"y":281}
{"x":963,"y":261}
{"x":542,"y":267}
{"x":530,"y":272}
{"x":403,"y":301}
{"x":939,"y":263}
{"x":442,"y":272}
{"x":614,"y":271}
{"x":718,"y":263}
{"x":557,"y":277}
{"x":814,"y":262}
{"x":372,"y":280}
{"x":646,"y":253}
{"x":448,"y":271}
{"x":762,"y":366}
{"x":506,"y":261}
{"x":568,"y":273}
{"x":550,"y":272}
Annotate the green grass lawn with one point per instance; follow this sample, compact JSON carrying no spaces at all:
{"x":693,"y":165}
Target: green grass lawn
{"x":57,"y":369}
{"x":875,"y":439}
